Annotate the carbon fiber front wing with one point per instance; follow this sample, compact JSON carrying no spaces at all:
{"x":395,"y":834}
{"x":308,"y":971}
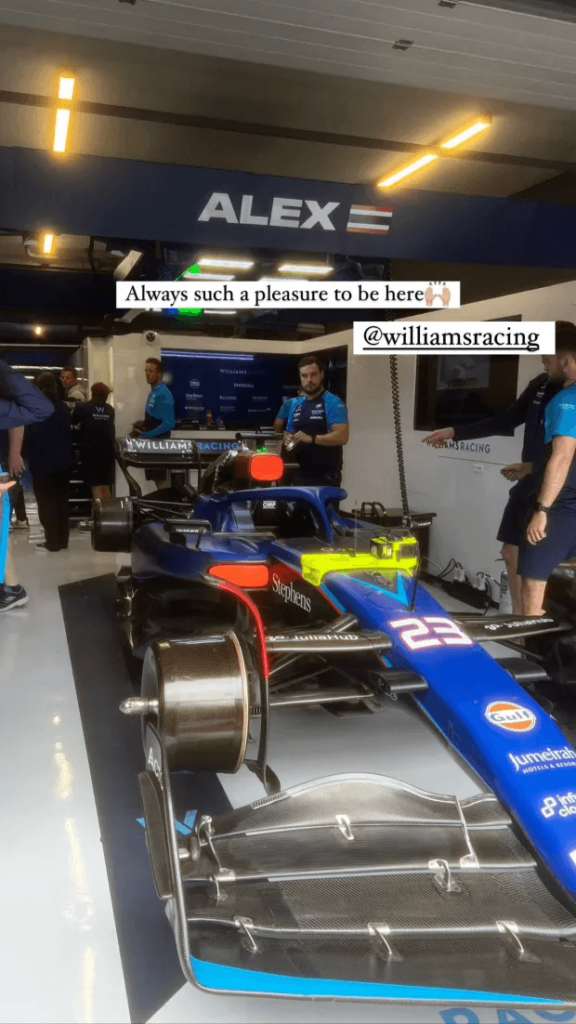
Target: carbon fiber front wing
{"x":359,"y":886}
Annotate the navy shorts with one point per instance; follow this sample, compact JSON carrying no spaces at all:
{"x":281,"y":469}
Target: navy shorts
{"x":515,"y":515}
{"x":538,"y":561}
{"x":157,"y":473}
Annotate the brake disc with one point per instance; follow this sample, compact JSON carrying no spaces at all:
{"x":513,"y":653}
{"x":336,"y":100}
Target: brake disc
{"x":199,"y":698}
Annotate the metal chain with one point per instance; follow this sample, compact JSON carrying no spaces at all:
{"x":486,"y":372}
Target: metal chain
{"x":395,"y":390}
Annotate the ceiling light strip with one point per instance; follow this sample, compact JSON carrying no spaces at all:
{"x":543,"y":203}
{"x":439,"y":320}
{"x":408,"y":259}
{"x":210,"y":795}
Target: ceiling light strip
{"x":416,"y":165}
{"x":62,"y":126}
{"x":467,"y":133}
{"x":451,"y":143}
{"x":305,"y":268}
{"x":61,"y":130}
{"x":190,"y":275}
{"x":220,"y":261}
{"x":66,"y":88}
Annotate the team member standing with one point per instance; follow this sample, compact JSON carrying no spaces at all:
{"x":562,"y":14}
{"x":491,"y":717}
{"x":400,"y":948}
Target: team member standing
{"x":21,"y":403}
{"x":318,"y":427}
{"x":528,"y":409}
{"x":551,"y":532}
{"x":284,"y":412}
{"x":95,"y":420}
{"x":159,"y":418}
{"x":69,"y":380}
{"x":49,"y":452}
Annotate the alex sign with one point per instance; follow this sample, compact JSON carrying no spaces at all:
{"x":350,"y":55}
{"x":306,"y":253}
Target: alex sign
{"x":292,"y":212}
{"x":282,"y":213}
{"x":143,"y":200}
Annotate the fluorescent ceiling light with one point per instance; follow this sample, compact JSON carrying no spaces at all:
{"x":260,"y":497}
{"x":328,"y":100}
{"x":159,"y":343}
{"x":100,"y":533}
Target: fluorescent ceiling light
{"x":61,"y":130}
{"x":66,"y":88}
{"x":37,"y":367}
{"x":457,"y":140}
{"x":209,"y":355}
{"x":209,"y":261}
{"x":47,"y":244}
{"x":221,"y":312}
{"x":305,"y":268}
{"x":190,"y":276}
{"x":410,"y":169}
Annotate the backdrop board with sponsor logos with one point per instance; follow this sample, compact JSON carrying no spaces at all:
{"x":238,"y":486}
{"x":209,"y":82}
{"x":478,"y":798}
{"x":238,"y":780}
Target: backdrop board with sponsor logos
{"x":240,"y":390}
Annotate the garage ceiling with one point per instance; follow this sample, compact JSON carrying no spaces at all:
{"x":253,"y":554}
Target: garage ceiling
{"x":311,"y":90}
{"x":308,"y":89}
{"x":458,"y":46}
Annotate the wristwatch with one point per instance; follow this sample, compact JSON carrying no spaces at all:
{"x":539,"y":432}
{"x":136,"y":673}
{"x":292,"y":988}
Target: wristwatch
{"x":538,"y":507}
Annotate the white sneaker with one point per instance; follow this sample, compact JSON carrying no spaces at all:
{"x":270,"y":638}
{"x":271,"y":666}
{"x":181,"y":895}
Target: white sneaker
{"x":20,"y":524}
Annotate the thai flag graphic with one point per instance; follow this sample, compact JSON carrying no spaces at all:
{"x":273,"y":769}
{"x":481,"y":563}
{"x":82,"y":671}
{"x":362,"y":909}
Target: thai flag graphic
{"x":374,"y":220}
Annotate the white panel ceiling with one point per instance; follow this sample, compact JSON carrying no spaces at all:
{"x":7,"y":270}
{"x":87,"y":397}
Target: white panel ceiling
{"x":468,"y":49}
{"x":355,"y":113}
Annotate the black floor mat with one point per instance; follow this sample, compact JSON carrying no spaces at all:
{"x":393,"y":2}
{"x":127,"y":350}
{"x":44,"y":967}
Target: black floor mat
{"x":104,"y":673}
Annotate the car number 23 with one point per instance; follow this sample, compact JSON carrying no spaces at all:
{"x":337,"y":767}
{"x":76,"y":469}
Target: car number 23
{"x":430,"y":631}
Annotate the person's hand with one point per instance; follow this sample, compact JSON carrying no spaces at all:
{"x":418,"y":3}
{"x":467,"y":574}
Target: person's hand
{"x":537,"y":528}
{"x":6,"y":486}
{"x":517,"y":470}
{"x":301,"y":438}
{"x":135,"y":432}
{"x":438,"y":438}
{"x":15,"y":465}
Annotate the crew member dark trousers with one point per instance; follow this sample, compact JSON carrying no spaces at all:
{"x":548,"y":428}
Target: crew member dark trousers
{"x":18,"y":503}
{"x":52,"y":494}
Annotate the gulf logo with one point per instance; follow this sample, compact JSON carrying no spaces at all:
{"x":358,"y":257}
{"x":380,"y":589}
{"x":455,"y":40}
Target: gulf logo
{"x":510,"y":716}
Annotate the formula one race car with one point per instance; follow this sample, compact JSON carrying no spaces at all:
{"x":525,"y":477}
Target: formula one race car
{"x":258,"y":609}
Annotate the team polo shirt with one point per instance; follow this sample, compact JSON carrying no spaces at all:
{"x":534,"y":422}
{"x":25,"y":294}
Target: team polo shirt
{"x":315,"y":416}
{"x":560,"y":421}
{"x":159,"y":415}
{"x":334,"y":409}
{"x":284,"y":411}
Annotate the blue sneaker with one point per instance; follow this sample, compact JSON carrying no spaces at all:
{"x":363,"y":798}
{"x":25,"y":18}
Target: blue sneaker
{"x":12,"y":597}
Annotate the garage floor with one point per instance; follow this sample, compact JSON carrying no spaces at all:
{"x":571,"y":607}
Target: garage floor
{"x":63,"y":959}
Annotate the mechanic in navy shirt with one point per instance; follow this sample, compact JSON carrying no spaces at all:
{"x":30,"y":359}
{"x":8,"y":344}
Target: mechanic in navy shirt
{"x":551,"y":532}
{"x":318,"y":426}
{"x":95,"y":421}
{"x":528,"y":409}
{"x":49,"y":453}
{"x":159,"y":419}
